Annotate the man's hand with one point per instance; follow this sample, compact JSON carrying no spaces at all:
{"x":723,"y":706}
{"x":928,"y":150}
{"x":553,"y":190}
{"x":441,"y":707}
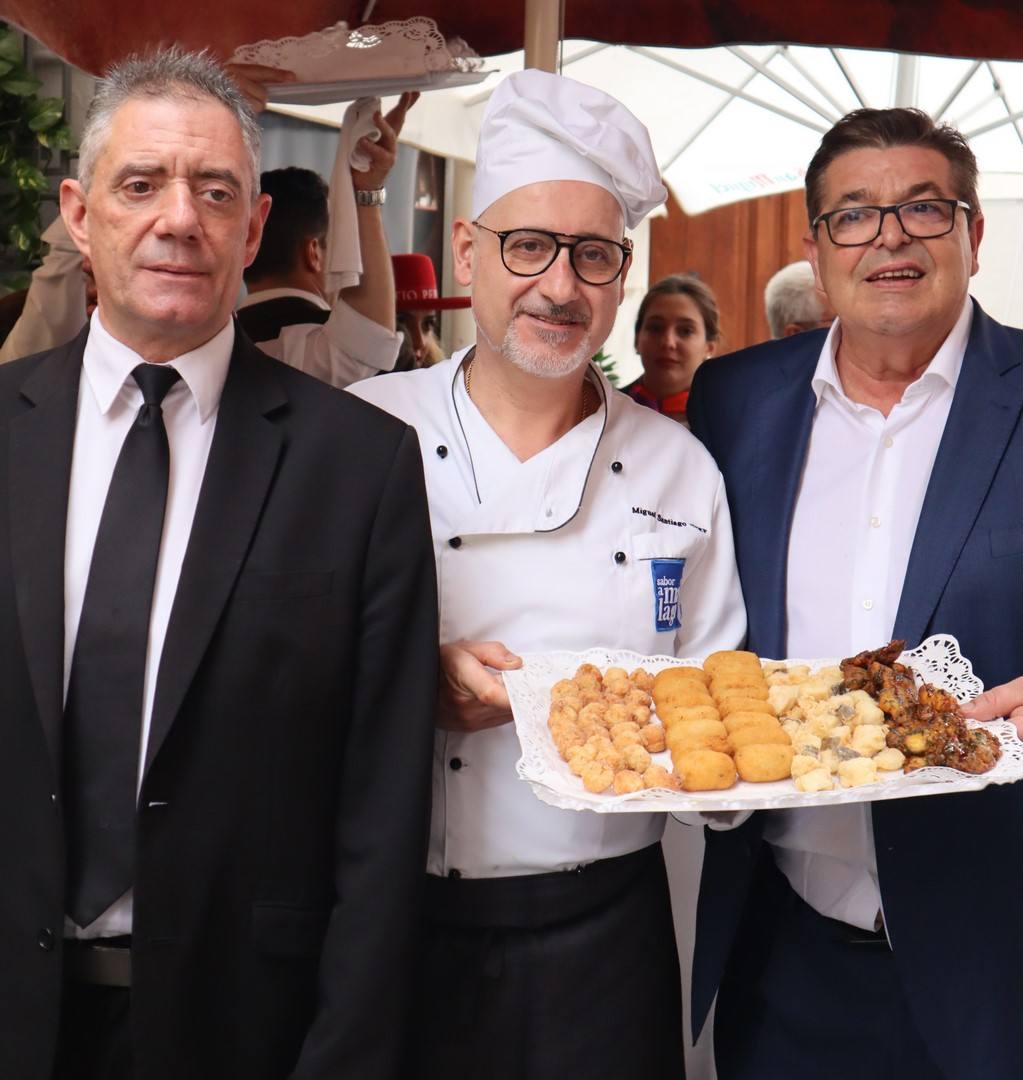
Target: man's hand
{"x":252,"y":80}
{"x":471,"y":697}
{"x":383,"y":153}
{"x":1005,"y":700}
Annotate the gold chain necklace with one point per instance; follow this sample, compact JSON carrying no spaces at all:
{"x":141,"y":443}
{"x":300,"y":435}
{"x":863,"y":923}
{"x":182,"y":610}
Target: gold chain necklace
{"x":584,"y":406}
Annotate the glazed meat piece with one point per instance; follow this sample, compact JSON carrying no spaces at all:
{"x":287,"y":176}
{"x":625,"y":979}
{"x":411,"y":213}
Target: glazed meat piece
{"x":926,"y":724}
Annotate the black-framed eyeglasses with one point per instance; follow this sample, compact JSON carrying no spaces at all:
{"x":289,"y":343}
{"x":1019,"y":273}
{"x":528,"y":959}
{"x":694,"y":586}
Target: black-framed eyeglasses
{"x":529,"y":252}
{"x":923,"y":219}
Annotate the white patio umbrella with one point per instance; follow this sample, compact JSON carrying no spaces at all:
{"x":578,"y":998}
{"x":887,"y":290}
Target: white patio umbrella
{"x":731,"y":122}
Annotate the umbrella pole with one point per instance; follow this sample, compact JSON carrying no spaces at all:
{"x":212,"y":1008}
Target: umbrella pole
{"x":542,"y":34}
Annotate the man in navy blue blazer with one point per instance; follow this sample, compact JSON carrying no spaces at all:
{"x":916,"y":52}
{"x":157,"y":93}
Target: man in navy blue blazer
{"x":875,"y":478}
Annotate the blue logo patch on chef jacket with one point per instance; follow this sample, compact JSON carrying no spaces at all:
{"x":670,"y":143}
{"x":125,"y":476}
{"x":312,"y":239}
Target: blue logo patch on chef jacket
{"x":667,"y":575}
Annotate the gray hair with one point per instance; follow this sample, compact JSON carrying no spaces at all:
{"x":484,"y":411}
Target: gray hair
{"x":171,"y":73}
{"x":790,"y":297}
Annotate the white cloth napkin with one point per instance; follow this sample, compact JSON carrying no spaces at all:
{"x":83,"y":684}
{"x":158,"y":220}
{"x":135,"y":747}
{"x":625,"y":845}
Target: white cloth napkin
{"x":344,"y":261}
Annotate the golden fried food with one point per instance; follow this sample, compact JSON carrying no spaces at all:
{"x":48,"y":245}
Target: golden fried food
{"x":738,"y":720}
{"x":615,"y":714}
{"x":597,"y":777}
{"x":641,"y":679}
{"x":730,"y":704}
{"x":596,"y":710}
{"x":564,"y":688}
{"x":628,"y":782}
{"x":730,"y":658}
{"x":674,"y":675}
{"x":685,"y":696}
{"x":766,"y":733}
{"x":653,"y":738}
{"x":683,"y":737}
{"x":760,"y":763}
{"x":705,"y":770}
{"x":657,"y":776}
{"x":673,"y":714}
{"x":589,"y":672}
{"x":626,"y":738}
{"x":756,"y":691}
{"x":636,"y":758}
{"x":639,"y":714}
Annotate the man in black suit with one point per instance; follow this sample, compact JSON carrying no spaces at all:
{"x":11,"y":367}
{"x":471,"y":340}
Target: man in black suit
{"x":245,"y":904}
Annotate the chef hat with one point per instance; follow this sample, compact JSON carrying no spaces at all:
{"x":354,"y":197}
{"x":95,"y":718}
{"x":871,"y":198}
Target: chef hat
{"x":538,"y":126}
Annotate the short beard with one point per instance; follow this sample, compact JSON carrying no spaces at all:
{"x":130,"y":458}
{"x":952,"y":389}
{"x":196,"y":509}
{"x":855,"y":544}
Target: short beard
{"x":534,"y":360}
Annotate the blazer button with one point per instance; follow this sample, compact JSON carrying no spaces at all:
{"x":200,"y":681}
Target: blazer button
{"x":45,"y":939}
{"x":442,"y":451}
{"x":455,"y":763}
{"x":454,"y":873}
{"x":619,"y":557}
{"x":616,"y":466}
{"x":455,"y":542}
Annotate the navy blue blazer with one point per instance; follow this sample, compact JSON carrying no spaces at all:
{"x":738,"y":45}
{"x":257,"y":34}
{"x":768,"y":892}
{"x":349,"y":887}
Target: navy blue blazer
{"x":949,"y":872}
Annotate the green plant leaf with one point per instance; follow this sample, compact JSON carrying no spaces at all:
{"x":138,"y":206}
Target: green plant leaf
{"x":43,"y":113}
{"x":10,"y":47}
{"x":28,"y":177}
{"x":6,"y":67}
{"x":20,"y":87}
{"x":58,"y":138}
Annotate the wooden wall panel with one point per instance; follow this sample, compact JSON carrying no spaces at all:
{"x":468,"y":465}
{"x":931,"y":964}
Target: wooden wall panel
{"x":735,"y":249}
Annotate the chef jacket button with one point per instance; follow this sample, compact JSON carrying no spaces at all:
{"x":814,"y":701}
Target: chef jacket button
{"x":619,"y":557}
{"x":616,"y":466}
{"x":442,"y":451}
{"x":455,"y":763}
{"x":455,"y":542}
{"x":45,"y":939}
{"x":454,"y":873}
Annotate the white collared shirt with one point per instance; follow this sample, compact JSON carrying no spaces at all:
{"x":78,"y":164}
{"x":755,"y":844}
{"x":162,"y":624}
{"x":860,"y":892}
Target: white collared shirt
{"x":262,"y":296}
{"x":855,"y":518}
{"x":535,"y":567}
{"x":108,"y":402}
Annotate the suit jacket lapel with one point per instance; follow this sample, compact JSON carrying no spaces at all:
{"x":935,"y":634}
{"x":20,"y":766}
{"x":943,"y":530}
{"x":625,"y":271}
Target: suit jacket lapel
{"x":242,"y":462}
{"x":783,"y":418}
{"x":984,"y":413}
{"x":41,"y":444}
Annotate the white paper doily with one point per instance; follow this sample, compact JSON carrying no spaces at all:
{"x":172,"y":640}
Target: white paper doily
{"x":936,"y":660}
{"x":340,"y":64}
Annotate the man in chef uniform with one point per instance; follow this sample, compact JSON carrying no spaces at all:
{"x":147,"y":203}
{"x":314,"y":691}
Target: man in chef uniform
{"x":564,"y":516}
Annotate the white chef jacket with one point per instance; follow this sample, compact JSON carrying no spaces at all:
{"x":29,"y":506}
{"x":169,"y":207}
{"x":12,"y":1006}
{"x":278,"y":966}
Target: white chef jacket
{"x":557,"y":552}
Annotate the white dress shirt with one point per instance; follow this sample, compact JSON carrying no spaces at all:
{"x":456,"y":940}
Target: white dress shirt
{"x":535,"y":567}
{"x":108,"y":402}
{"x":261,"y":296}
{"x":855,"y":518}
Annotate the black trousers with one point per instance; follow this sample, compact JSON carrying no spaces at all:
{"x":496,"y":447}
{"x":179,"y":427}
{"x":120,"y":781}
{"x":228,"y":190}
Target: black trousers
{"x":95,"y":1033}
{"x":573,"y":974}
{"x":807,"y":997}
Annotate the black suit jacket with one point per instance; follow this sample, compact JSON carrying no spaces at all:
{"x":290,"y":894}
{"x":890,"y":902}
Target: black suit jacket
{"x":265,"y":321}
{"x":282,"y":814}
{"x":947,"y":865}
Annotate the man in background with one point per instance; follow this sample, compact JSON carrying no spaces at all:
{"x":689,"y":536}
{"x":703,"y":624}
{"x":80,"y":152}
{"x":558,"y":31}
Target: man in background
{"x":794,"y":302}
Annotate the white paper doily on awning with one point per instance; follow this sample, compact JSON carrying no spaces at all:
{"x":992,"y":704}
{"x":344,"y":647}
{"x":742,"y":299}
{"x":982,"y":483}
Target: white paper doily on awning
{"x":936,"y":660}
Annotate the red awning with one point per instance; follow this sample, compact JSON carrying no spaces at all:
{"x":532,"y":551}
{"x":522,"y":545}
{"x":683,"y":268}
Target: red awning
{"x":91,"y":33}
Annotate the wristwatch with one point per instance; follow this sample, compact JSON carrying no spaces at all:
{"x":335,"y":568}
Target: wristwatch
{"x":371,"y":198}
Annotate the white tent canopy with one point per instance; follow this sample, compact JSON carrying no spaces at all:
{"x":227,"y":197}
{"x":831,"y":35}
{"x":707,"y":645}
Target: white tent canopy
{"x":732,"y":122}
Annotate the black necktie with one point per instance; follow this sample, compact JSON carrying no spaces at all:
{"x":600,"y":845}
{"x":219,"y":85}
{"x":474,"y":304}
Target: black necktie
{"x":103,"y":712}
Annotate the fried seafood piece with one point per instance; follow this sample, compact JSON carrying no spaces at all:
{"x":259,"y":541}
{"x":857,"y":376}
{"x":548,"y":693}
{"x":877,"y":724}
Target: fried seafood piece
{"x":705,"y":770}
{"x":628,"y":782}
{"x":658,"y":776}
{"x":652,"y":738}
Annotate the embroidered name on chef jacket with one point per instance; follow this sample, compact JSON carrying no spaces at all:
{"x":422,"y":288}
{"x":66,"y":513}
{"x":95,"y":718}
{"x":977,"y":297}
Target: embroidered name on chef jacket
{"x":667,"y":576}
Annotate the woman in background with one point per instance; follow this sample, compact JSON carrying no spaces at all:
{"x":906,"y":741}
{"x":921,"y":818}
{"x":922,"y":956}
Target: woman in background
{"x":676,"y":330}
